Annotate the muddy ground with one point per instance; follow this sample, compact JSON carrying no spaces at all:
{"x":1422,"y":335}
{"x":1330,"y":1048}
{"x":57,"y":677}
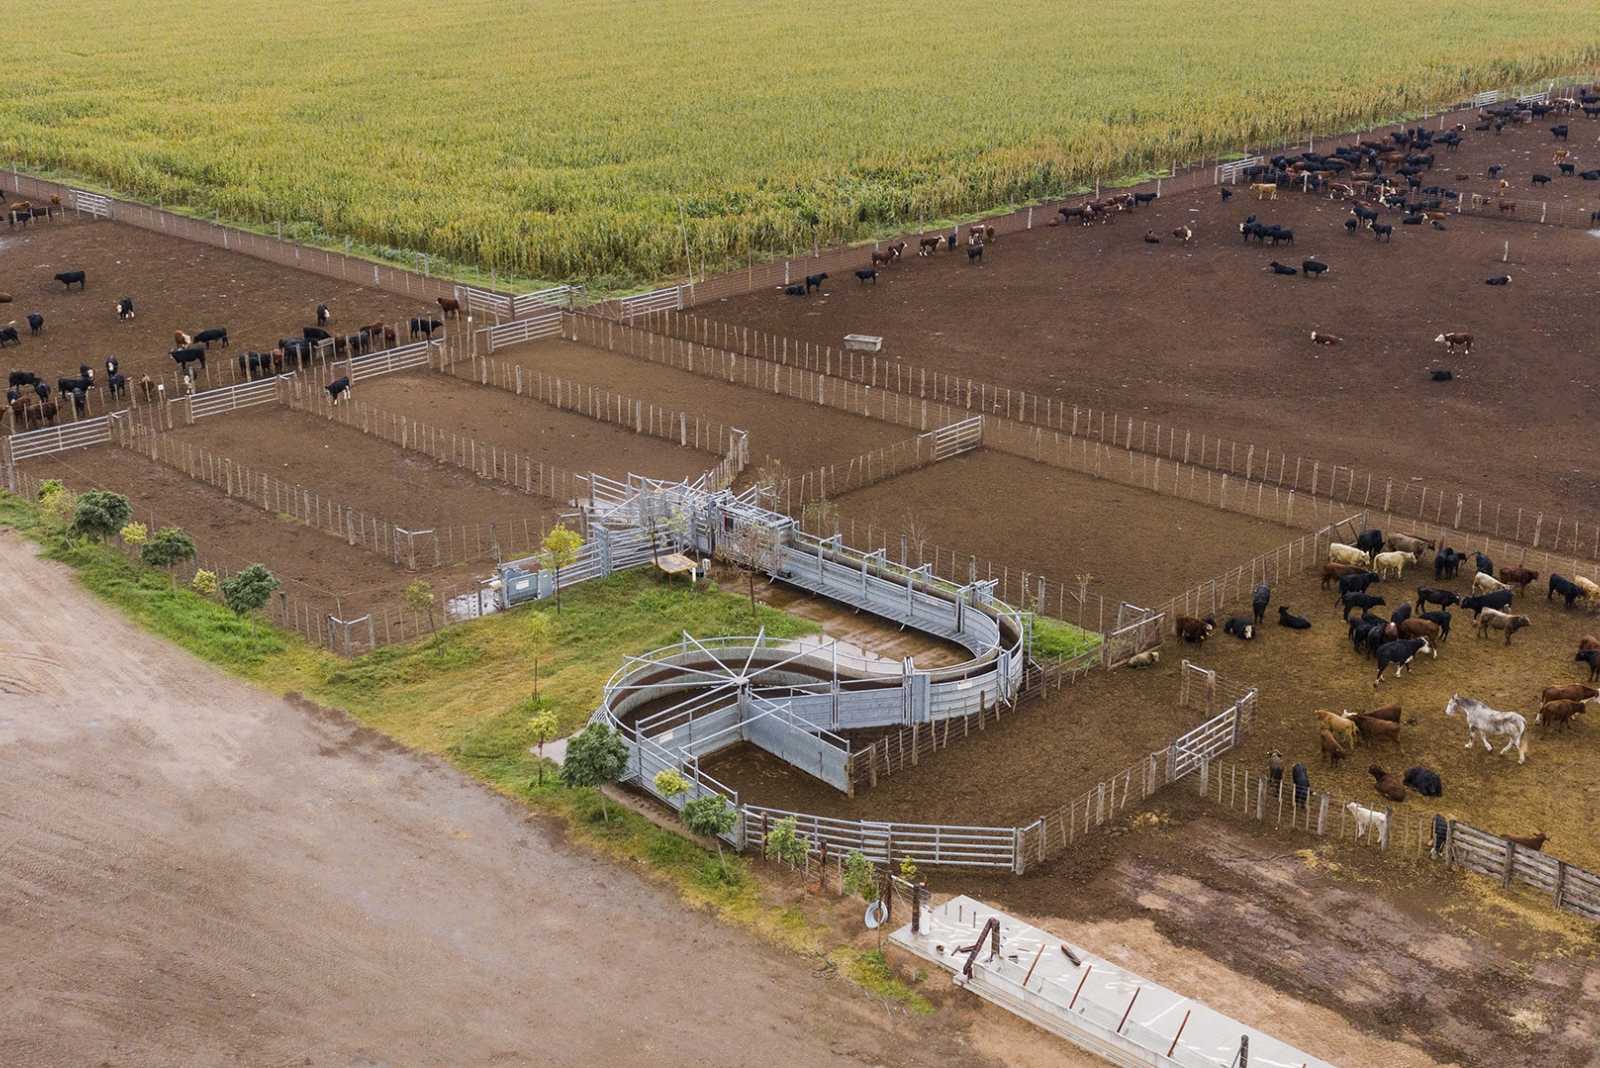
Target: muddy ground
{"x":1205,"y":338}
{"x":565,"y":439}
{"x":1017,"y":516}
{"x":1266,"y":924}
{"x":799,"y":436}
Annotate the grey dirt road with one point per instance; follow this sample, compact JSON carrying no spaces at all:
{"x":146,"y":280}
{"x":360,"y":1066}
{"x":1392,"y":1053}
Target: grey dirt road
{"x":193,"y":872}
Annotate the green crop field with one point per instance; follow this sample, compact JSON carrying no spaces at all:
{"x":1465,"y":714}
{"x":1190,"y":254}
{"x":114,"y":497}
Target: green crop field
{"x":620,"y":143}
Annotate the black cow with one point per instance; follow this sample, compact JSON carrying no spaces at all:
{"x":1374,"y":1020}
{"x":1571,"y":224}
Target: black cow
{"x":1592,"y":658}
{"x":71,"y":278}
{"x":1356,"y":583}
{"x":1362,"y":601}
{"x":426,"y":327}
{"x":111,"y":365}
{"x":975,"y":254}
{"x":1499,"y":600}
{"x":1292,"y":621}
{"x":35,"y":323}
{"x":316,"y":333}
{"x":1427,"y":595}
{"x":867,"y":274}
{"x":1399,"y":653}
{"x":1240,"y":628}
{"x":1446,"y":562}
{"x":1441,"y":620}
{"x":1370,"y":541}
{"x":323,"y":318}
{"x":215,"y":333}
{"x":337,"y":388}
{"x":1302,"y":785}
{"x":74,"y":385}
{"x":1382,"y":231}
{"x":1424,"y":781}
{"x":1401,"y":614}
{"x":125,"y":308}
{"x":1441,"y":836}
{"x":796,"y":290}
{"x":1485,"y":565}
{"x":1559,"y":132}
{"x":23,"y":378}
{"x":1313,"y":268}
{"x":118,"y":383}
{"x":9,"y":336}
{"x":814,"y":281}
{"x":1568,"y":589}
{"x":1259,"y":599}
{"x":184,"y":357}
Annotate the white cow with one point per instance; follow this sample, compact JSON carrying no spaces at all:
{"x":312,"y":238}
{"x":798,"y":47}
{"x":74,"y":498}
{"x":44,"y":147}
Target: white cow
{"x":1395,"y":562}
{"x":1367,"y":817}
{"x":1340,"y":553}
{"x":1483,"y":721}
{"x":1483,"y":582}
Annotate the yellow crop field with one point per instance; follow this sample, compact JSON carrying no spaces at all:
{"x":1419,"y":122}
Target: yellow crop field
{"x":617,"y":143}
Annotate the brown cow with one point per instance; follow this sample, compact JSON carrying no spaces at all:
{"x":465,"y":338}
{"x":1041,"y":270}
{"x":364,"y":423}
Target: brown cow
{"x":1194,"y":630}
{"x":1333,"y":572}
{"x":1534,"y":842}
{"x":450,"y":307}
{"x":1372,"y":729}
{"x":1331,"y":748}
{"x":1419,"y":628}
{"x":1518,"y":577}
{"x":1588,"y":641}
{"x":1390,"y":713}
{"x":1558,"y":712}
{"x":1572,"y":692}
{"x":1387,"y":784}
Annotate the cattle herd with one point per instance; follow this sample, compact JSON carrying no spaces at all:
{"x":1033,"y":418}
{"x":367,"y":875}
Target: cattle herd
{"x":29,"y":395}
{"x":1419,"y":626}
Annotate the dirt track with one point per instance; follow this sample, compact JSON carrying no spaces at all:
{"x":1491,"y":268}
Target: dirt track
{"x":193,"y":872}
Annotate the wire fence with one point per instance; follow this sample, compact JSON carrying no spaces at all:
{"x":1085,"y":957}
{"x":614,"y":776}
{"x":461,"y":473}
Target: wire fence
{"x":414,"y":546}
{"x":1405,"y":833}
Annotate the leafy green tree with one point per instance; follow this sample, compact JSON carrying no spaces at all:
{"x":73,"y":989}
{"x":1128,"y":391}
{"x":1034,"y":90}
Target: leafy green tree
{"x":560,"y":549}
{"x":169,"y":548}
{"x":784,"y":843}
{"x":58,"y":506}
{"x":597,"y":755}
{"x":204,"y":583}
{"x":860,"y":877}
{"x":134,"y":534}
{"x":710,"y":816}
{"x":100,"y":514}
{"x":543,"y":725}
{"x":419,"y":598}
{"x":48,"y":488}
{"x":249,"y":590}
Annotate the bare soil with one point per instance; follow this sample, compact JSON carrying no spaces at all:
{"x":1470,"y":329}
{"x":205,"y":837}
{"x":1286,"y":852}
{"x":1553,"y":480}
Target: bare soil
{"x":1017,"y":516}
{"x":196,"y":872}
{"x":567,"y":440}
{"x":1205,"y":337}
{"x":1313,"y":940}
{"x":364,"y":471}
{"x":175,"y":285}
{"x":233,"y":534}
{"x":799,"y":436}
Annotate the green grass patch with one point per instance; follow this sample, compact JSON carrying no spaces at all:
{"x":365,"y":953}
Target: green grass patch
{"x":1053,"y":639}
{"x":871,"y":972}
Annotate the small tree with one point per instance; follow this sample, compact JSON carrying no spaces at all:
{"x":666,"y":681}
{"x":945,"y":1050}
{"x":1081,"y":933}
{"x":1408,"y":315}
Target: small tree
{"x":909,"y":870}
{"x":48,"y":487}
{"x":248,"y":590}
{"x":100,"y":514}
{"x":169,"y":548}
{"x":710,"y":816}
{"x":914,"y":528}
{"x":756,"y":548}
{"x":860,"y":877}
{"x":784,"y":843}
{"x":560,"y":549}
{"x":820,"y":517}
{"x":670,"y":784}
{"x":134,"y":534}
{"x":204,"y":583}
{"x":58,"y":506}
{"x":595,"y":756}
{"x":543,"y":725}
{"x":419,"y":598}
